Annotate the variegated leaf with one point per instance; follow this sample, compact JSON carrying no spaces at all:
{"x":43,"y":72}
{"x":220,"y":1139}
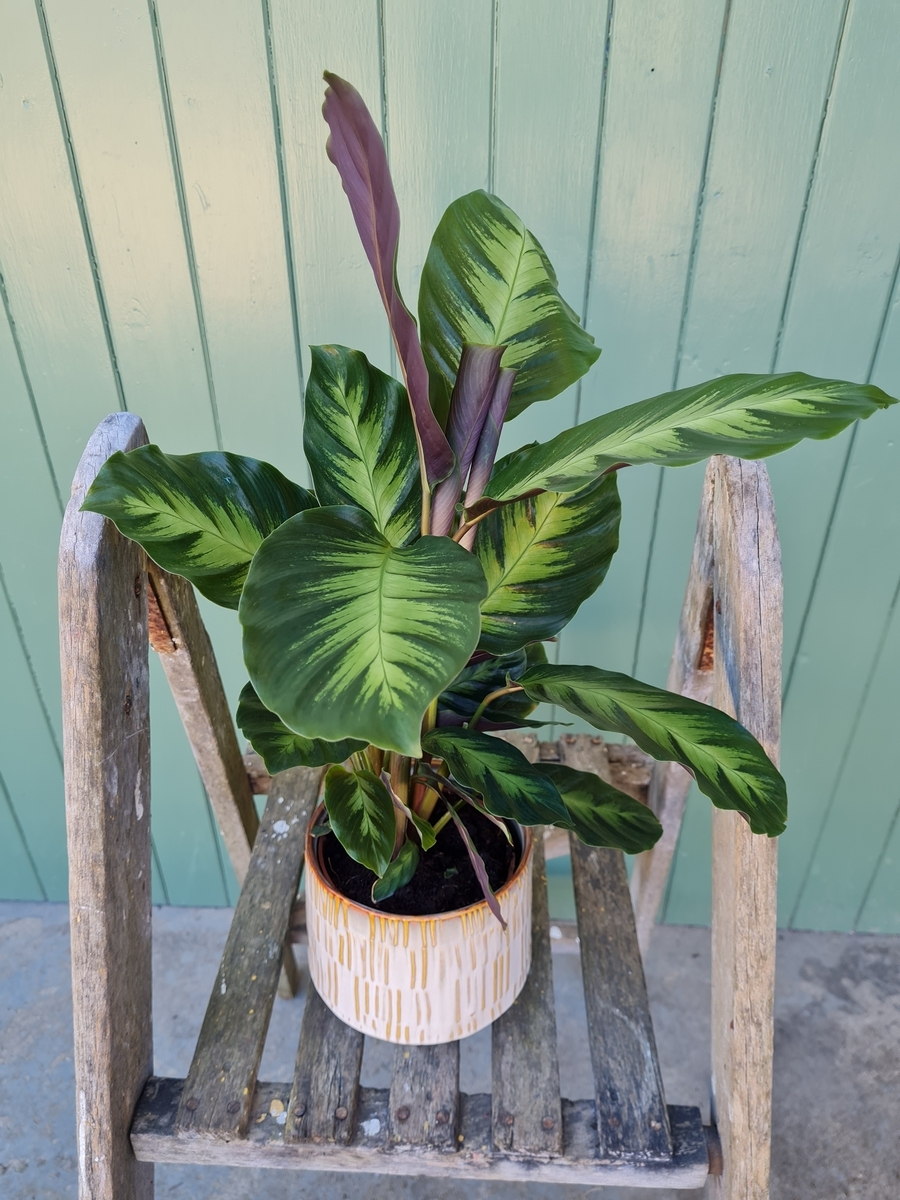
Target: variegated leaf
{"x":400,"y":871}
{"x":360,"y":442}
{"x":728,"y":763}
{"x":507,"y":781}
{"x":487,"y":280}
{"x":198,"y":515}
{"x":542,"y":557}
{"x":362,"y":816}
{"x":279,"y":747}
{"x":750,"y":416}
{"x":457,"y":703}
{"x":347,"y":636}
{"x":601,"y":815}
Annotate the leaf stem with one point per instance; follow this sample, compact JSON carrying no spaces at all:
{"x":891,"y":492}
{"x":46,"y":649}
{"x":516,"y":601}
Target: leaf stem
{"x":489,"y":699}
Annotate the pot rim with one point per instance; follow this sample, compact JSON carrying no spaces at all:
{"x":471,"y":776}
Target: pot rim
{"x":311,"y":858}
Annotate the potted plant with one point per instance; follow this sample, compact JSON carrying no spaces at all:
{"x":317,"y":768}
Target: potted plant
{"x":395,"y":618}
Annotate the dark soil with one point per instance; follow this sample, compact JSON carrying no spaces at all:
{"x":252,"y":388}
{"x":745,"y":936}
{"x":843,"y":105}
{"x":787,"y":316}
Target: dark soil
{"x":444,"y":880}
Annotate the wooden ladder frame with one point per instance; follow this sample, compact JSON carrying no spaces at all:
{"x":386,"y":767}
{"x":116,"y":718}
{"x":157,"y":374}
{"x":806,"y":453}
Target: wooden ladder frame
{"x":113,"y":604}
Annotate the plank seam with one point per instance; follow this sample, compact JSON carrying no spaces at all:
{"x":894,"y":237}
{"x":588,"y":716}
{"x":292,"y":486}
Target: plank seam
{"x":385,"y":124}
{"x":159,"y":870}
{"x":24,"y":840}
{"x":877,"y":869}
{"x":494,"y":89}
{"x":80,"y":202}
{"x":29,"y":662}
{"x":184,"y":213}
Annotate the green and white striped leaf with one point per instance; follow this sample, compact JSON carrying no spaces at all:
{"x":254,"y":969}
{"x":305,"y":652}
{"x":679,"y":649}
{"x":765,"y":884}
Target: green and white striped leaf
{"x":399,"y":872}
{"x":542,"y":557}
{"x":727,"y":762}
{"x":347,"y":636}
{"x":360,"y":442}
{"x":279,"y":747}
{"x":361,"y":813}
{"x":457,"y":703}
{"x":487,"y":280}
{"x":202,"y":516}
{"x":507,"y":781}
{"x":601,"y":815}
{"x":750,"y":416}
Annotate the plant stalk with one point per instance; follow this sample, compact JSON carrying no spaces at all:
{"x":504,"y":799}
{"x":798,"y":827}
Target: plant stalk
{"x":489,"y":699}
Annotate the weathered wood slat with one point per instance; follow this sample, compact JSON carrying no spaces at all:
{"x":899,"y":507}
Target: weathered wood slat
{"x":747,"y":684}
{"x":222,"y":1076}
{"x":265,"y":1145}
{"x":323,"y":1098}
{"x":106,"y":741}
{"x":424,"y":1096}
{"x":526,"y":1114}
{"x":690,"y":674}
{"x":632,"y":1122}
{"x":179,"y":636}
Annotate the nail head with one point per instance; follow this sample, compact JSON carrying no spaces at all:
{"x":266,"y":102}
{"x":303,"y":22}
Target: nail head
{"x":402,"y":1113}
{"x":341,"y":1113}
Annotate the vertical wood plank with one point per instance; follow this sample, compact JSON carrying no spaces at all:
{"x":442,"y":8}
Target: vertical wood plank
{"x":103,"y":648}
{"x":690,"y":674}
{"x":423,"y":1109}
{"x":746,"y":684}
{"x":324,"y":1094}
{"x":526,"y":1112}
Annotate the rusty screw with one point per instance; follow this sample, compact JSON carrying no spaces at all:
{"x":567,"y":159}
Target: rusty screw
{"x":340,"y":1113}
{"x":299,"y":1112}
{"x":547,"y":1123}
{"x":570,"y":739}
{"x":402,"y":1114}
{"x":508,"y":1119}
{"x":193,"y":1104}
{"x":596,"y":741}
{"x":234,"y":1106}
{"x":442,"y":1117}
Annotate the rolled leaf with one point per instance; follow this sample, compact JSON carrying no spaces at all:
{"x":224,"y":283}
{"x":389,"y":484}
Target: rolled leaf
{"x":360,"y":442}
{"x":479,"y":868}
{"x":728,"y":763}
{"x":399,"y":872}
{"x":473,"y":392}
{"x":202,"y":516}
{"x":542,"y":558}
{"x":279,"y":747}
{"x":362,"y":816}
{"x":507,"y":781}
{"x":347,"y":636}
{"x":356,"y":149}
{"x":487,"y":280}
{"x":601,"y":815}
{"x":486,"y":674}
{"x":486,"y":451}
{"x":750,"y":416}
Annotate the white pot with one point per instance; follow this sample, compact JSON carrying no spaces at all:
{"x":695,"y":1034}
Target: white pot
{"x":417,"y":980}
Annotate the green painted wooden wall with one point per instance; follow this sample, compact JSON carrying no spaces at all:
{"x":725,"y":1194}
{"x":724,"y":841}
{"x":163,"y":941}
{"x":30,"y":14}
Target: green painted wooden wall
{"x":716,"y":182}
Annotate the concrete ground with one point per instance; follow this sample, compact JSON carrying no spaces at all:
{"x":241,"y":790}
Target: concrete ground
{"x":837,"y":1061}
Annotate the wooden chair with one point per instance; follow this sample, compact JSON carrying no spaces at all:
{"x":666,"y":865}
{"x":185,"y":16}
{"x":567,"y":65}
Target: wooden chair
{"x":113,"y":604}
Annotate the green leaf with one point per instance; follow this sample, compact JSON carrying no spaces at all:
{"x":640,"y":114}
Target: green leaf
{"x":346,"y":635}
{"x":728,"y":763}
{"x":542,"y":557}
{"x":488,"y":281}
{"x":458,"y":702}
{"x":361,"y":812}
{"x":399,"y":872}
{"x":360,"y":442}
{"x":509,"y":784}
{"x":279,"y":747}
{"x":750,"y":416}
{"x":600,"y":814}
{"x":198,"y":515}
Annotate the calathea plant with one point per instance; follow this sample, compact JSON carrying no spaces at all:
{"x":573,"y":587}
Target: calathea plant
{"x":395,"y":617}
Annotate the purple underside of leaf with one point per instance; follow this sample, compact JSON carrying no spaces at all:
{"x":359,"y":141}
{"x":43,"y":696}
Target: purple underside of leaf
{"x":475,"y":386}
{"x":356,"y":149}
{"x":478,"y":866}
{"x":489,"y":437}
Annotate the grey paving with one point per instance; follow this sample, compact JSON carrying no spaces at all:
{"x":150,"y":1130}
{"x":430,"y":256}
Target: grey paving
{"x":837,"y":1066}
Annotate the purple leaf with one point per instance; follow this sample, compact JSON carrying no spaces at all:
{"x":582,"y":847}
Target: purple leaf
{"x":473,"y":391}
{"x":489,"y":439}
{"x":356,"y":149}
{"x":478,"y":865}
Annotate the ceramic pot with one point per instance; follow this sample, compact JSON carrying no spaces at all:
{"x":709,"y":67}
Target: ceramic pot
{"x":417,"y":980}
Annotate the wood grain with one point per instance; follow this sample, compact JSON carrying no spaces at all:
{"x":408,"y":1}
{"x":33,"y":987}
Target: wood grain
{"x":222,"y":1076}
{"x":423,"y":1108}
{"x":525,"y":1113}
{"x":324,"y":1094}
{"x":106,"y":739}
{"x":690,"y":674}
{"x":747,"y":684}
